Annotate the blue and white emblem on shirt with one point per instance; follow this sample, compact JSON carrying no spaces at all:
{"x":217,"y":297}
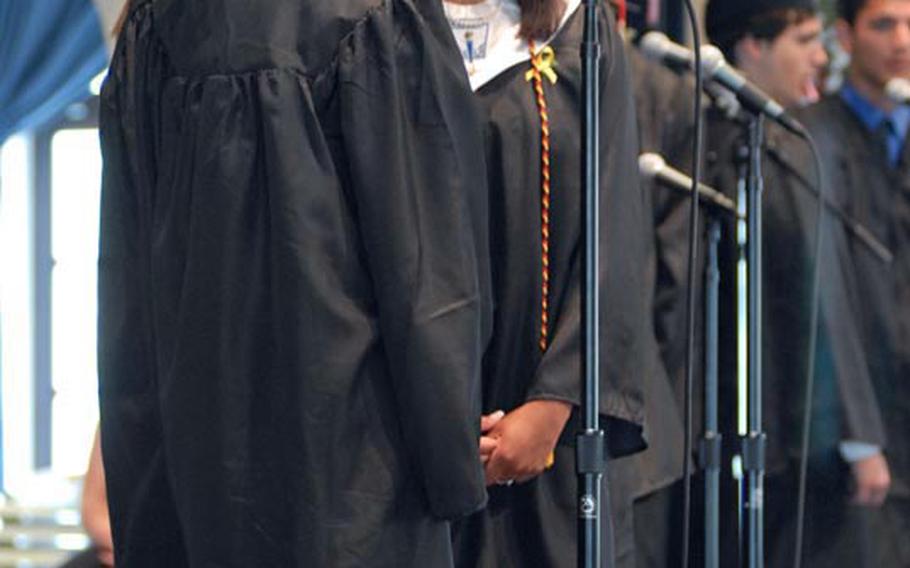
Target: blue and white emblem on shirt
{"x":473,"y":36}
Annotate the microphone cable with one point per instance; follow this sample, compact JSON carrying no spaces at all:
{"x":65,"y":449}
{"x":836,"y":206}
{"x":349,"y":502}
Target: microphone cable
{"x":815,"y":299}
{"x":691,"y":278}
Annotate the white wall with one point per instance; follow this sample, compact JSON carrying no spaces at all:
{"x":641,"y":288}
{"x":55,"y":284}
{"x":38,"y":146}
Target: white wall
{"x":17,"y":312}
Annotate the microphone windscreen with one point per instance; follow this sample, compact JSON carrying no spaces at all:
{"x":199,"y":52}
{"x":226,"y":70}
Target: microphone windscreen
{"x":898,"y":90}
{"x":712,"y":59}
{"x":650,"y":165}
{"x":654,"y":45}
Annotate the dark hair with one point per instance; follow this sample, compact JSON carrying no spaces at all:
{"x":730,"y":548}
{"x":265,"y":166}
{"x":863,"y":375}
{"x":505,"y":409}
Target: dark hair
{"x":540,"y":18}
{"x":848,"y":9}
{"x":121,"y":19}
{"x":768,"y":26}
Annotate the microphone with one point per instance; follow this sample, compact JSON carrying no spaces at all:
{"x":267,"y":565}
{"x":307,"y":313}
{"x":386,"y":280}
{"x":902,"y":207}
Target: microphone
{"x":654,"y":167}
{"x":898,"y":90}
{"x":658,"y":47}
{"x":752,"y":98}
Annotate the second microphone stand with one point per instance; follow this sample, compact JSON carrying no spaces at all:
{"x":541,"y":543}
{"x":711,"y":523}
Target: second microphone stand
{"x":749,"y":315}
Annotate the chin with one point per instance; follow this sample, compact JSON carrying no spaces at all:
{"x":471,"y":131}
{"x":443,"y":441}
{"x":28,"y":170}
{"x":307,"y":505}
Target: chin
{"x":901,"y":70}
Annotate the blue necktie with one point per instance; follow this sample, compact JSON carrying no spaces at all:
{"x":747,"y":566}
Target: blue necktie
{"x":887,"y":133}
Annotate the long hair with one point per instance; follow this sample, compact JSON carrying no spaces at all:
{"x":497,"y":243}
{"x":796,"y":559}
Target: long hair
{"x":540,"y":18}
{"x":121,"y":19}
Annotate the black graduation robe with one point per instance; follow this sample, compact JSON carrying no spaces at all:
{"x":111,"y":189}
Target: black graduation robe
{"x":664,"y":108}
{"x":294,"y":285}
{"x":533,"y":524}
{"x":878,"y":196}
{"x":664,"y":119}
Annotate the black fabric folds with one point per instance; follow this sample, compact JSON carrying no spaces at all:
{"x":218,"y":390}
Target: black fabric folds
{"x":294,"y":289}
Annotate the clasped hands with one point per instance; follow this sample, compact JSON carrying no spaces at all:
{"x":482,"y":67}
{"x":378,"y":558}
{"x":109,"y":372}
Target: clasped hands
{"x":517,"y":446}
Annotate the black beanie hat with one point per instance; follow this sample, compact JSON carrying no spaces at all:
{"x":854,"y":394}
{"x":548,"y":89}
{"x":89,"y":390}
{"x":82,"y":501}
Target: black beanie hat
{"x":725,"y":16}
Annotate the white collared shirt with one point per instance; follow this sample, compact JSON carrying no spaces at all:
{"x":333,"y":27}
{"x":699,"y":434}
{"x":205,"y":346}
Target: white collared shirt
{"x":487,"y":34}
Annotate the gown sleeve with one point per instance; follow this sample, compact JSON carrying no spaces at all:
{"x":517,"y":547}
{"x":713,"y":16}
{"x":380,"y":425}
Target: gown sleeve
{"x":844,"y":402}
{"x":416,"y":178}
{"x":839,"y":327}
{"x":861,"y":414}
{"x":130,"y":423}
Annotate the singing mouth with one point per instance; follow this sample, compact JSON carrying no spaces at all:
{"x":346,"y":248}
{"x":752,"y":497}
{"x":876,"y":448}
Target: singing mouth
{"x":810,"y":92}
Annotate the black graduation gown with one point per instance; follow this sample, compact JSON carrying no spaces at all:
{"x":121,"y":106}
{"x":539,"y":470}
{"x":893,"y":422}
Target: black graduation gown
{"x":844,"y":405}
{"x":533,"y":524}
{"x":294,"y":285}
{"x":878,"y":196}
{"x":664,"y":119}
{"x":664,"y":107}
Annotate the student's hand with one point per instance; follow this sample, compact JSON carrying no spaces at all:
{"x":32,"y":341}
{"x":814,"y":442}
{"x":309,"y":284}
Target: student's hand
{"x":488,"y":444}
{"x":105,"y":556}
{"x":872,"y":480}
{"x":525,"y":439}
{"x":95,"y":517}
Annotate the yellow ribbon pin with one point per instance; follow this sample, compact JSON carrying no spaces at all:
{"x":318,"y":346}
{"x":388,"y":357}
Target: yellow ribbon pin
{"x":545,"y":61}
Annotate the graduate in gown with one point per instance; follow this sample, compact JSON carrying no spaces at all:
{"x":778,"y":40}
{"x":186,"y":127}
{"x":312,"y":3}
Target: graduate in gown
{"x":528,"y":85}
{"x":294,"y":285}
{"x":862,"y":136}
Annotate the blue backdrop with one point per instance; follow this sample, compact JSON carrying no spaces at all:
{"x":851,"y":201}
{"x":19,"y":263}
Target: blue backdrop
{"x":49,"y":51}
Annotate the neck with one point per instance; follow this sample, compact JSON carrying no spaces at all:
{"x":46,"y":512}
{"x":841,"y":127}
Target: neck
{"x":870,"y":91}
{"x":464,"y":1}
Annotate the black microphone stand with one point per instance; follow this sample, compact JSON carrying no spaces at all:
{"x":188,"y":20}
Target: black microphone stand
{"x":751,"y":503}
{"x":709,"y":452}
{"x":591,"y":447}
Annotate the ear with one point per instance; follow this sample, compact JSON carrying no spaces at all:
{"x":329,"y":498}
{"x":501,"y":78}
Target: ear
{"x":844,"y":35}
{"x":748,"y":50}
